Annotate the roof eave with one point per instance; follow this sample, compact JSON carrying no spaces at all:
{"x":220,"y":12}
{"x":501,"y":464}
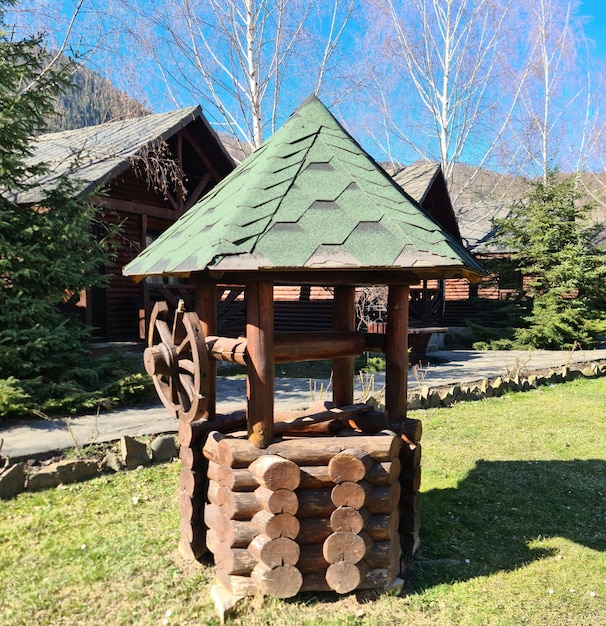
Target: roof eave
{"x":327,"y":276}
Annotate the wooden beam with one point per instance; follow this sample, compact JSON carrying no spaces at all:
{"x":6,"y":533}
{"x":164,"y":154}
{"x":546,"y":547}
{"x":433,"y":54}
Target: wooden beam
{"x":180,"y":198}
{"x":396,"y":353}
{"x":196,"y":193}
{"x":344,"y":318}
{"x":206,"y":308}
{"x":198,"y":150}
{"x":260,"y":347}
{"x":138,"y":208}
{"x":302,"y":276}
{"x":299,"y":346}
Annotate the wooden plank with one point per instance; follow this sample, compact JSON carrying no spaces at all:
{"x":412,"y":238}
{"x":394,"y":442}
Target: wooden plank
{"x":260,"y":347}
{"x":344,"y":318}
{"x":304,"y":276}
{"x":396,"y":356}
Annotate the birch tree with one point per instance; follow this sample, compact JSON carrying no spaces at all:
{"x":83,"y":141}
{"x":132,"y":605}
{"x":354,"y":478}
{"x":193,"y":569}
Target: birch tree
{"x":499,"y":84}
{"x":559,"y":122}
{"x":248,"y":62}
{"x":449,"y":61}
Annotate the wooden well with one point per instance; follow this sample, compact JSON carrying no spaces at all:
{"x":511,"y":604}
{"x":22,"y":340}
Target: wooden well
{"x":326,"y":499}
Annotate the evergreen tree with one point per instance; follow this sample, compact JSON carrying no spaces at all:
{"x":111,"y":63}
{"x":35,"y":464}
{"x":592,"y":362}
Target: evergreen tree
{"x":552,"y":240}
{"x":48,"y":252}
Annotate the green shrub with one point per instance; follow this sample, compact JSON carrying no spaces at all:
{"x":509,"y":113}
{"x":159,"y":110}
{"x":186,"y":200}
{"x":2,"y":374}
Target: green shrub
{"x":374,"y":364}
{"x":13,"y":399}
{"x":106,"y":382}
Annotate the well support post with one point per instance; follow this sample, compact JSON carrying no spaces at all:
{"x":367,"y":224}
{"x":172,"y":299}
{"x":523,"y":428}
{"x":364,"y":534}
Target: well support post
{"x":260,"y":347}
{"x":344,"y":318}
{"x":396,"y":353}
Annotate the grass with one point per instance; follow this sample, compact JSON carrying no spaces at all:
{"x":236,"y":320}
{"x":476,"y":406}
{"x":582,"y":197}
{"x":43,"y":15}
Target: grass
{"x":513,"y":531}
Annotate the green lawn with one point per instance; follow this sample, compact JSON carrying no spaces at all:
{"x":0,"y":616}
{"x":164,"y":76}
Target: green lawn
{"x":513,"y":531}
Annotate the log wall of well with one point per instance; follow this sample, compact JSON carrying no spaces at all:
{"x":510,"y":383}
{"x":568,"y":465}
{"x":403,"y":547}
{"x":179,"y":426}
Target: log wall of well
{"x":304,"y":514}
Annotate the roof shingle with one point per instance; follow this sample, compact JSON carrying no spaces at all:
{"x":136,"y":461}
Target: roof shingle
{"x":93,"y":155}
{"x":309,"y":197}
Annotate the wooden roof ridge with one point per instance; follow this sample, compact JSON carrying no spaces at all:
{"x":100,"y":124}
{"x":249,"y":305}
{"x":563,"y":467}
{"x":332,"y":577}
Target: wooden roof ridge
{"x":309,"y":198}
{"x":93,"y":155}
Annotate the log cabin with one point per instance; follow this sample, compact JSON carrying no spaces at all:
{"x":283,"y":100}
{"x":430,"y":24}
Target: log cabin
{"x":142,"y":174}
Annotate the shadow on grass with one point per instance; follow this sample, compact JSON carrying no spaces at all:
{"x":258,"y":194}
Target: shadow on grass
{"x":486,"y":524}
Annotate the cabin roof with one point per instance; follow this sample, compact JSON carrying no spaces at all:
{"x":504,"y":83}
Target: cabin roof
{"x":417,"y":178}
{"x":93,"y":155}
{"x":309,"y":198}
{"x":425,"y":182}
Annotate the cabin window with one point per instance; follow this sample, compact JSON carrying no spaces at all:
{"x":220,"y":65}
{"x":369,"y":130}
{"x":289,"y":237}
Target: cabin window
{"x":510,"y":278}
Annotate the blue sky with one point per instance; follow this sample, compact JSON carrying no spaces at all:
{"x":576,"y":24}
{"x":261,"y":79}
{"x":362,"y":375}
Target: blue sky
{"x":595,"y":28}
{"x":593,"y":13}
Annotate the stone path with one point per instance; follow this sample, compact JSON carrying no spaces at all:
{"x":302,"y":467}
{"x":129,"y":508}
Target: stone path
{"x":41,"y":436}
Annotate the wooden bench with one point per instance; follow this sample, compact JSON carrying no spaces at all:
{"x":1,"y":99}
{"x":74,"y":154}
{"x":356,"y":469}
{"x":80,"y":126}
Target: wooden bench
{"x":418,"y":338}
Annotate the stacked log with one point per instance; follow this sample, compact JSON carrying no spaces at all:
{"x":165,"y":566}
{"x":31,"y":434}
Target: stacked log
{"x":313,"y":514}
{"x":192,"y":488}
{"x":410,"y":482}
{"x":193,"y":479}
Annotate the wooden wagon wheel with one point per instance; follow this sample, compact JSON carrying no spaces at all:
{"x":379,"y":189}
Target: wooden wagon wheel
{"x":177,"y":360}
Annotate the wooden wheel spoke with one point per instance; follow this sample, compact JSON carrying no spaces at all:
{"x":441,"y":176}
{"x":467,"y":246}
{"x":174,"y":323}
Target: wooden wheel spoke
{"x":185,"y":401}
{"x":188,"y":365}
{"x":164,"y":331}
{"x":184,"y":345}
{"x":188,"y":386}
{"x":178,"y":331}
{"x":174,"y":391}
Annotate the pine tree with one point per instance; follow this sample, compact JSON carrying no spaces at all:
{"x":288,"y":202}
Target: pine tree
{"x":49,"y":253}
{"x":552,"y":240}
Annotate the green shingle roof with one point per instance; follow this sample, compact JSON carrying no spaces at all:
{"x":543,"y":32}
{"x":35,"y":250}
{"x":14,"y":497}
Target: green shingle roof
{"x":309,"y":197}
